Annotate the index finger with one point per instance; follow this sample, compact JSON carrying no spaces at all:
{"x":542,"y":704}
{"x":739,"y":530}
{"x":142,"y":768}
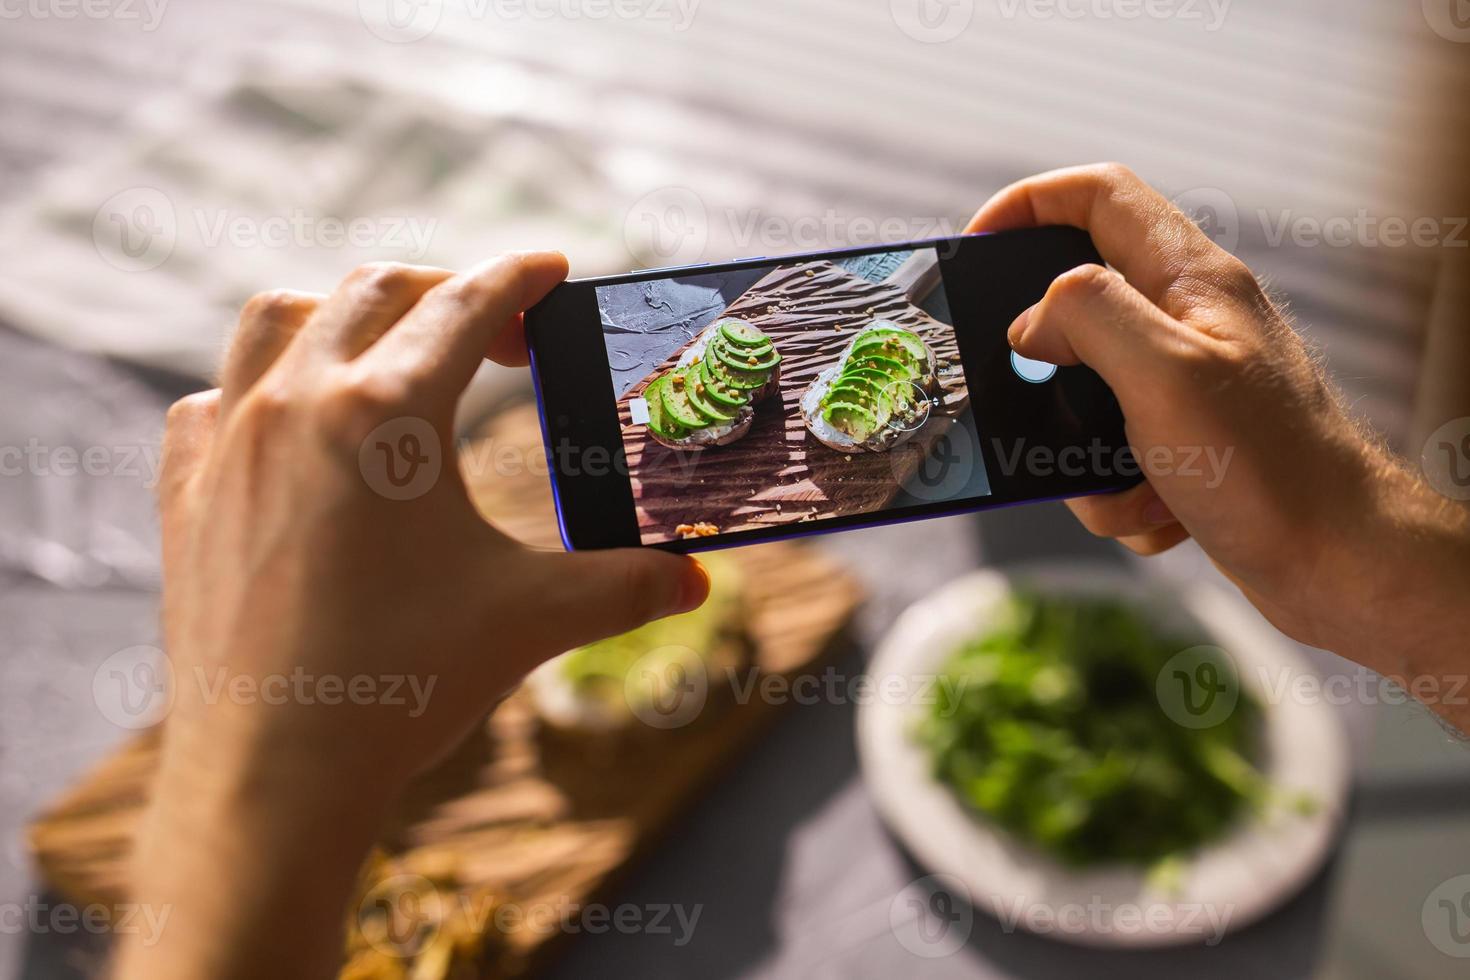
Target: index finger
{"x":1138,"y":231}
{"x":440,"y":343}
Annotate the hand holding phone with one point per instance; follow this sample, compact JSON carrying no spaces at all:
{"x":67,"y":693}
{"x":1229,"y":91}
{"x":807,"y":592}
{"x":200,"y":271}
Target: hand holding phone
{"x":707,"y":406}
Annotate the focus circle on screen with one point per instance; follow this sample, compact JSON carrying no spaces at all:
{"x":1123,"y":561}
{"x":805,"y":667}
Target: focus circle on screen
{"x":1030,"y":370}
{"x":908,"y":393}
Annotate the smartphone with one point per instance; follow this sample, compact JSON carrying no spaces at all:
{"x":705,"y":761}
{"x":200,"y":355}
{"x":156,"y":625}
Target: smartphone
{"x":707,"y":406}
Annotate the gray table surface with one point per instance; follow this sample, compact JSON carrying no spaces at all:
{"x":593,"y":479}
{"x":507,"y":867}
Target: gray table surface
{"x":786,"y":858}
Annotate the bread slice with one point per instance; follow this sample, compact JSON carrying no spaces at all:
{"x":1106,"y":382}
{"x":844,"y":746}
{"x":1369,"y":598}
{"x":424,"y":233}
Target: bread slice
{"x":885,"y":437}
{"x":728,"y":432}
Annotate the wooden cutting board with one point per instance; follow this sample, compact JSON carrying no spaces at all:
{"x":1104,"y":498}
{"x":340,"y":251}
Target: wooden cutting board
{"x":521,"y":816}
{"x":779,"y":473}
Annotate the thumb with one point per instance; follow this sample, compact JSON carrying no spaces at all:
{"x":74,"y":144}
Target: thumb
{"x":1091,"y":315}
{"x":597,"y":594}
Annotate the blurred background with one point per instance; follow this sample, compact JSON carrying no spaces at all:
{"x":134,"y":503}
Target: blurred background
{"x":162,"y":160}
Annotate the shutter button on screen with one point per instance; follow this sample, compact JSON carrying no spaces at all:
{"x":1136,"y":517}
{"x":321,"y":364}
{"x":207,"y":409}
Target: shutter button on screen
{"x":1035,"y":372}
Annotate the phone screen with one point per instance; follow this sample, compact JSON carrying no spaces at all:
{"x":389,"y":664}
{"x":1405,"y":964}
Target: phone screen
{"x":791,"y":393}
{"x":768,"y":398}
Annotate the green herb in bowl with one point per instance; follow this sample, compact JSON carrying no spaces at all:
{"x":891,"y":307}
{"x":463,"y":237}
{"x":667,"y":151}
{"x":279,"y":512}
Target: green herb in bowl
{"x":1052,"y":728}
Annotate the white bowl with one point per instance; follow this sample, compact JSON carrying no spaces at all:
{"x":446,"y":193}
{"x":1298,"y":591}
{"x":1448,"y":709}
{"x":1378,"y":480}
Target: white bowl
{"x":1223,"y":887}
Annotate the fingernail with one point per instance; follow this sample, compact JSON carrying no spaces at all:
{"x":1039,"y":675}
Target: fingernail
{"x":1018,"y":327}
{"x":694,"y":588}
{"x":1157,"y":512}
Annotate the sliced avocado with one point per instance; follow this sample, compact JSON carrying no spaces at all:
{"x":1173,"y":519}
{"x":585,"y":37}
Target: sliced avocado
{"x":896,"y":370}
{"x":851,"y":392}
{"x":734,"y":377}
{"x":759,"y":349}
{"x":742,"y":334}
{"x":892,"y":342}
{"x":738,"y":360}
{"x":699,"y":396}
{"x":659,"y":422}
{"x":760,"y":352}
{"x":850,"y":389}
{"x":900,"y":390}
{"x":854,"y":420}
{"x":716,"y":389}
{"x":677,"y":405}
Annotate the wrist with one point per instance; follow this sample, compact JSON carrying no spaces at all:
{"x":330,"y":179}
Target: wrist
{"x":1405,"y":570}
{"x":245,"y":855}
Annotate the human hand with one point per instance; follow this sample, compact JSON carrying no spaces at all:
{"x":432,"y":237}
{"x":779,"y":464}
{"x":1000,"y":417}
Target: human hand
{"x":286,"y":556}
{"x":1244,"y":444}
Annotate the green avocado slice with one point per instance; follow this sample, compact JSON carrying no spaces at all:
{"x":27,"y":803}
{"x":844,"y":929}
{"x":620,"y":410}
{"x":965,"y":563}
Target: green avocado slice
{"x":896,"y":370}
{"x":742,"y":334}
{"x":699,"y":393}
{"x":735,"y":378}
{"x":759,"y":349}
{"x":659,"y":422}
{"x":850,"y":389}
{"x":738,"y":360}
{"x":859,"y":393}
{"x":744,"y":354}
{"x":677,"y":405}
{"x":854,"y":420}
{"x":716,"y":389}
{"x":899,"y":389}
{"x":892,"y":342}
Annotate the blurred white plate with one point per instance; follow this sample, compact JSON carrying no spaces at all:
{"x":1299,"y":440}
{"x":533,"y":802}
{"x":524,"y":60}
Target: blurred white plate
{"x":1230,"y":884}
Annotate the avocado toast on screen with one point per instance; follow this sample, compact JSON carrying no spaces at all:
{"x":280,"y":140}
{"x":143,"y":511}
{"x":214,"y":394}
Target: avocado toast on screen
{"x":878,"y":393}
{"x":708,"y":398}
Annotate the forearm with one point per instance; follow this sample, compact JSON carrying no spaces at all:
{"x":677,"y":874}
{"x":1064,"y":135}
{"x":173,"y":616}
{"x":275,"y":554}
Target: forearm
{"x":1404,"y":607}
{"x":254,"y":866}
